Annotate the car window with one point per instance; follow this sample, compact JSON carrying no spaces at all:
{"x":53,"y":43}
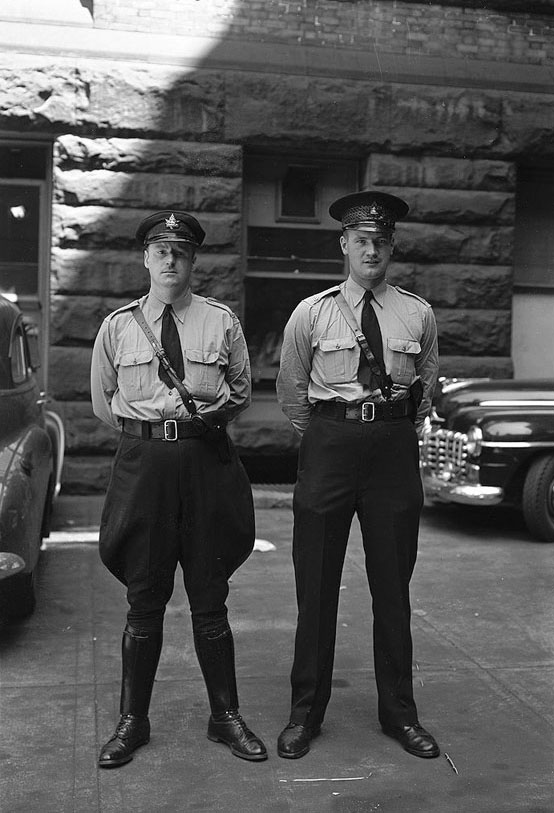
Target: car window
{"x":18,"y":357}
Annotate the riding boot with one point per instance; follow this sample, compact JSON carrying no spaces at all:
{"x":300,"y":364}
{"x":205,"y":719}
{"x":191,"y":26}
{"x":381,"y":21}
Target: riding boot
{"x":216,"y":656}
{"x":140,"y":651}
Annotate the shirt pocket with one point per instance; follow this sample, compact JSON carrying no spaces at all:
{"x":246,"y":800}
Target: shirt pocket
{"x":202,"y":373}
{"x":403,"y":355}
{"x":337,"y":360}
{"x":134,"y":374}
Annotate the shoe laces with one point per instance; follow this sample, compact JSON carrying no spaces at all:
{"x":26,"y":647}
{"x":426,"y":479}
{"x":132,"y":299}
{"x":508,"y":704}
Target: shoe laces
{"x":125,"y":726}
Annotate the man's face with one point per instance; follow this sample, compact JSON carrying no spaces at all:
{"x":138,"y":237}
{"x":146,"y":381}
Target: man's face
{"x":368,"y":255}
{"x":170,"y":266}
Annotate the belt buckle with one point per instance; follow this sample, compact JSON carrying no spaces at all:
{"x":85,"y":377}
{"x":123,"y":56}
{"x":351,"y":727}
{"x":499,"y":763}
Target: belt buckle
{"x":367,"y":418}
{"x":170,"y":429}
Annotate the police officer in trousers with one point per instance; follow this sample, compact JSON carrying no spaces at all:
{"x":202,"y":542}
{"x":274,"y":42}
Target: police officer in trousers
{"x":358,"y":412}
{"x":178,"y":492}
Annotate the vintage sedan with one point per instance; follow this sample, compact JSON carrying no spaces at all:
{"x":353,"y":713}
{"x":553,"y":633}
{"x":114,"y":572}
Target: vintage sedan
{"x":31,"y":457}
{"x":489,"y":442}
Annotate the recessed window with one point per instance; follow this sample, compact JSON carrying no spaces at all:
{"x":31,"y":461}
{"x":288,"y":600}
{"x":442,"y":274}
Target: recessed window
{"x":298,"y":194}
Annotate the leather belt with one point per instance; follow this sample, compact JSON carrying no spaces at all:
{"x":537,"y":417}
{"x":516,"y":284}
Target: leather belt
{"x":171,"y":429}
{"x":366,"y":412}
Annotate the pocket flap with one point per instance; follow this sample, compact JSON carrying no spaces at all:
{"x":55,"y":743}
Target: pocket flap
{"x":130,"y":358}
{"x":342,"y":343}
{"x":201,"y":356}
{"x":404,"y":346}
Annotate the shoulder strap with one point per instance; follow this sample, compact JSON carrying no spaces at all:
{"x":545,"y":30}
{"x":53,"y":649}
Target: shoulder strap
{"x":164,"y":361}
{"x":380,"y":374}
{"x":344,"y":308}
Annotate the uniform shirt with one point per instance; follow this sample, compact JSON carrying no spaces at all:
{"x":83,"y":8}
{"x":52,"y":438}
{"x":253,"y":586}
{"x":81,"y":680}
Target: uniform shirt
{"x":124,"y":372}
{"x":320,"y":355}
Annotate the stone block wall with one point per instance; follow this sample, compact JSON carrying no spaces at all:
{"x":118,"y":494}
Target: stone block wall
{"x":457,"y":243}
{"x":103,"y":187}
{"x":133,"y":137}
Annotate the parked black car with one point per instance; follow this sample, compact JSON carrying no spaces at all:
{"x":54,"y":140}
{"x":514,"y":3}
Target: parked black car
{"x":489,"y":442}
{"x":31,"y":457}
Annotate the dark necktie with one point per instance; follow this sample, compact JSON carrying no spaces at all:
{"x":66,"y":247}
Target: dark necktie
{"x":172,"y":346}
{"x":372,"y":332}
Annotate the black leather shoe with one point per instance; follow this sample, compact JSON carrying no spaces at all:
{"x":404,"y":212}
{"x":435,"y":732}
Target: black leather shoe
{"x":130,"y":734}
{"x":415,"y":739}
{"x":294,"y":740}
{"x":231,"y":729}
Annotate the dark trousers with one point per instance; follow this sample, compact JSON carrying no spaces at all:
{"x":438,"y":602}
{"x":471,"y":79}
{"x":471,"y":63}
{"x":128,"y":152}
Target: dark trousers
{"x":172,"y":503}
{"x":371,"y":469}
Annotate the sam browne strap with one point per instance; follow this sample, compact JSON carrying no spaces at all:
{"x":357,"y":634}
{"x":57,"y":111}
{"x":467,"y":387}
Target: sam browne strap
{"x":380,"y":374}
{"x":164,"y":361}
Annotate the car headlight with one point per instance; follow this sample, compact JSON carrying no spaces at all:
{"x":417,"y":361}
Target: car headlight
{"x":474,"y":441}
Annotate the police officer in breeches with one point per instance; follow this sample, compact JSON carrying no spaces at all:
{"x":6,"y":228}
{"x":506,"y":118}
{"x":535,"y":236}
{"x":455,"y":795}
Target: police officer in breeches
{"x":358,"y":368}
{"x":169,"y":371}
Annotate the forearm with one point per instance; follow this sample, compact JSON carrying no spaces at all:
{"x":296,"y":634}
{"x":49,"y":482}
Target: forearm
{"x":294,"y":373}
{"x":238,"y":375}
{"x":427,"y":367}
{"x":103,"y":380}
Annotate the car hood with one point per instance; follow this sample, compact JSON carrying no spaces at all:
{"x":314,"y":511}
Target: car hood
{"x":478,"y":393}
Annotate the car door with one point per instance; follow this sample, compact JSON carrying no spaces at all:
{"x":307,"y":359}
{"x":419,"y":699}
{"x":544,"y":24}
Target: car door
{"x":25,"y":455}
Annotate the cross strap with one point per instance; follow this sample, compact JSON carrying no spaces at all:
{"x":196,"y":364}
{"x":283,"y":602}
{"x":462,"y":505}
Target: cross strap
{"x":380,"y":374}
{"x":164,"y":361}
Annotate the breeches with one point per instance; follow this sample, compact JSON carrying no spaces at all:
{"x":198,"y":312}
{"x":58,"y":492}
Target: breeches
{"x":371,"y":469}
{"x":169,"y":503}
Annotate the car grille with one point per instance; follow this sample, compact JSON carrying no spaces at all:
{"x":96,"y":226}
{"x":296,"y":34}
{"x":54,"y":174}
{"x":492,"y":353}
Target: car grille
{"x":443,"y":450}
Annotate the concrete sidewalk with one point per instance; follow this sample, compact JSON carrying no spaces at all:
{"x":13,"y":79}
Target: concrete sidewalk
{"x":483,"y":624}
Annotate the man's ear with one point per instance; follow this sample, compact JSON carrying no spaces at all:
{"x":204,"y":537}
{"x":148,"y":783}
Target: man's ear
{"x":145,"y":258}
{"x":343,"y":244}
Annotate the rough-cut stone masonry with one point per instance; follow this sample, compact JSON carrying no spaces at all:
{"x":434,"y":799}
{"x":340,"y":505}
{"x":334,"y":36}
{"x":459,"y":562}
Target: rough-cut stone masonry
{"x":395,"y":27}
{"x":133,"y":137}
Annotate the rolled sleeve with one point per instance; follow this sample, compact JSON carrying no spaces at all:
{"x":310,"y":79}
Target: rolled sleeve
{"x":295,"y":368}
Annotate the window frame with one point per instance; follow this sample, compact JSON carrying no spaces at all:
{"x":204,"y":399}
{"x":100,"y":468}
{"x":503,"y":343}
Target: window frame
{"x":20,"y":365}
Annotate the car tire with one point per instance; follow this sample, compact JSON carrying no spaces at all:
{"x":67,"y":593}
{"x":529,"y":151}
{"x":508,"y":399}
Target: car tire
{"x":538,"y":499}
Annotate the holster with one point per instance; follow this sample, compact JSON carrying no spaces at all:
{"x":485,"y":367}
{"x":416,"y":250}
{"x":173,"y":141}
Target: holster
{"x":216,"y":433}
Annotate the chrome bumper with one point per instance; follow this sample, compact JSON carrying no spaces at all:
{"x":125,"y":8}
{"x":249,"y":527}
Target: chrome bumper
{"x":440,"y":488}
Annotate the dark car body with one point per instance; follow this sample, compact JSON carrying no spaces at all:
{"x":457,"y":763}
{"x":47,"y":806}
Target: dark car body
{"x":490,"y":442}
{"x":31,"y":454}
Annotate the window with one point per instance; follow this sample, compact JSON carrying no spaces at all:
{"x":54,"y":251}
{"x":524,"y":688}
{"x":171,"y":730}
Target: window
{"x":292,"y":246}
{"x":25,"y":225}
{"x":534,"y":228}
{"x":18,"y":357}
{"x":297,"y":194}
{"x":22,"y":187}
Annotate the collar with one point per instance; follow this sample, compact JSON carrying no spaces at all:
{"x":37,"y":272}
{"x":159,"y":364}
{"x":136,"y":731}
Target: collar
{"x":180,"y":306}
{"x":356,"y":292}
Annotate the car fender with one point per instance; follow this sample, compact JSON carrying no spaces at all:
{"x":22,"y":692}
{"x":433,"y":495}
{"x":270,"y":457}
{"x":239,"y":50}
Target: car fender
{"x":26,"y":467}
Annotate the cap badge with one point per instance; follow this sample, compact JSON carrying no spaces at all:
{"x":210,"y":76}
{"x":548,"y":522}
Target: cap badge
{"x":171,"y":222}
{"x":377,"y":211}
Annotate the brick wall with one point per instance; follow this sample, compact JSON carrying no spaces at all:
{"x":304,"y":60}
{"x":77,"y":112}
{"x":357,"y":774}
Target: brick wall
{"x":391,"y":27}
